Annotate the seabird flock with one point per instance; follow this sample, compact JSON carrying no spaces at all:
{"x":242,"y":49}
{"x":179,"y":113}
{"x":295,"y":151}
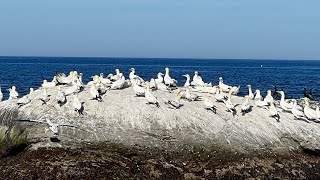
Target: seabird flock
{"x":191,"y":91}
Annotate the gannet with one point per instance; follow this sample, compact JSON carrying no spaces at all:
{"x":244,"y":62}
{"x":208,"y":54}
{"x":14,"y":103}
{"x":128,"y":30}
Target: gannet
{"x":104,"y":80}
{"x":229,"y":105}
{"x":224,"y":87}
{"x":71,"y":90}
{"x":139,"y":91}
{"x":268,"y":98}
{"x":44,"y":97}
{"x":163,"y":87}
{"x":76,"y":81}
{"x":31,"y":90}
{"x":95,"y":80}
{"x":251,"y":96}
{"x":102,"y":90}
{"x":187,"y":83}
{"x":1,"y":95}
{"x":318,"y":112}
{"x":310,"y":113}
{"x":117,"y":76}
{"x":95,"y":94}
{"x":283,"y":104}
{"x":235,"y":90}
{"x":24,"y":100}
{"x":159,"y":78}
{"x":174,"y":104}
{"x":168,"y":80}
{"x":181,"y":93}
{"x":54,"y":127}
{"x":62,"y":79}
{"x":47,"y":84}
{"x":191,"y":96}
{"x":77,"y":105}
{"x":119,"y":83}
{"x":80,"y":79}
{"x":209,"y":104}
{"x":245,"y":107}
{"x":273,"y":111}
{"x":194,"y":79}
{"x":218,"y":96}
{"x":310,"y":95}
{"x":258,"y":95}
{"x":153,"y":84}
{"x":13,"y":93}
{"x":296,"y":113}
{"x":60,"y":97}
{"x":150,"y":97}
{"x":134,"y":78}
{"x":260,"y":103}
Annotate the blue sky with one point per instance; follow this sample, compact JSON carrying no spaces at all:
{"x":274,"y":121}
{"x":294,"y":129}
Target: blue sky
{"x":273,"y":29}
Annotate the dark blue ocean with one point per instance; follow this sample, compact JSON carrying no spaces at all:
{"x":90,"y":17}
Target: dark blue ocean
{"x":292,"y":76}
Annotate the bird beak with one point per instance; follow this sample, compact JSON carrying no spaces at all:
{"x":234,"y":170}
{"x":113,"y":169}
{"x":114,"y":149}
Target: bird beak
{"x":184,"y":75}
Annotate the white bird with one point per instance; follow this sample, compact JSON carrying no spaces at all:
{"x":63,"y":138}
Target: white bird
{"x":95,"y":80}
{"x":102,"y":89}
{"x":162,"y":87}
{"x":119,"y":83}
{"x":135,"y":79}
{"x":224,"y":87}
{"x":260,"y":103}
{"x":77,"y":105}
{"x":153,"y":84}
{"x":168,"y":80}
{"x":296,"y":113}
{"x":181,"y":93}
{"x":1,"y":95}
{"x":283,"y":104}
{"x":54,"y":127}
{"x":209,"y":104}
{"x":60,"y":97}
{"x":258,"y":95}
{"x":251,"y":96}
{"x":44,"y":97}
{"x":174,"y":104}
{"x":245,"y":107}
{"x":191,"y":96}
{"x":138,"y":90}
{"x":310,"y":113}
{"x":269,"y":97}
{"x":71,"y":90}
{"x":150,"y":97}
{"x":13,"y":93}
{"x":235,"y":90}
{"x":187,"y":83}
{"x":47,"y":84}
{"x":117,"y":76}
{"x":218,"y":96}
{"x":273,"y":111}
{"x":194,"y":79}
{"x":104,"y":80}
{"x":61,"y":78}
{"x":229,"y":105}
{"x":159,"y":78}
{"x":24,"y":100}
{"x":95,"y":94}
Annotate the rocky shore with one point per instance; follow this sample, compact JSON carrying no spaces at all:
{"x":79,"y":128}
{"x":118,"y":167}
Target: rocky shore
{"x":124,"y":137}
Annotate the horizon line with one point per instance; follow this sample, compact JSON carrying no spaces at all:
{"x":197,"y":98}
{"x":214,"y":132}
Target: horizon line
{"x":183,"y":58}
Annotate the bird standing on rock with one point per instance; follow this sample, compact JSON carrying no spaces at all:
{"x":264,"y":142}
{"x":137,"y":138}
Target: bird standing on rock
{"x":150,"y":97}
